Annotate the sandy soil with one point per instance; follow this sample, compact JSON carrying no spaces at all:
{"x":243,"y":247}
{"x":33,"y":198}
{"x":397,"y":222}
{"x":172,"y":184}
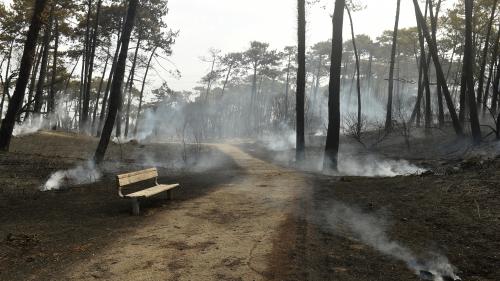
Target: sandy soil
{"x":236,"y":216}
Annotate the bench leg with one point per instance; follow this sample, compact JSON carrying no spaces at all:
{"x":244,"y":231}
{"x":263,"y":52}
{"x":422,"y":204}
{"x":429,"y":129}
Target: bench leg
{"x":169,"y":194}
{"x":135,"y":206}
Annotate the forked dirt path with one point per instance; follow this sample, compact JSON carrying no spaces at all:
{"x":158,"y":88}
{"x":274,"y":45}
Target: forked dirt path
{"x":227,"y":234}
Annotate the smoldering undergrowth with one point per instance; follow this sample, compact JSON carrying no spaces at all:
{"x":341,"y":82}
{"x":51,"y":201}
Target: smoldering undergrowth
{"x":372,"y":229}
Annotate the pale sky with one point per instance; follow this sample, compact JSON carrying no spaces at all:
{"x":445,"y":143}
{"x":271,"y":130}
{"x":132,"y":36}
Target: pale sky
{"x":230,"y":25}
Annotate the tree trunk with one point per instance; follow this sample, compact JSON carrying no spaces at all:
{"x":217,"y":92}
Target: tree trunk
{"x":463,"y":95}
{"x":420,"y":90}
{"x":142,"y":90}
{"x":425,"y":75}
{"x":6,"y":83}
{"x":86,"y":78}
{"x":94,"y":114}
{"x":43,"y":68}
{"x":469,"y":72}
{"x":434,"y":19}
{"x":52,"y":93}
{"x":480,"y":87}
{"x":287,"y":86}
{"x":301,"y":82}
{"x":130,"y":86}
{"x":251,"y":115}
{"x":494,"y":98}
{"x":116,"y":89}
{"x":24,"y":71}
{"x":33,"y":82}
{"x":330,"y":161}
{"x":92,"y":49}
{"x":439,"y":71}
{"x":496,"y":92}
{"x":226,"y":80}
{"x":388,"y":119}
{"x":358,"y":85}
{"x":108,"y":84}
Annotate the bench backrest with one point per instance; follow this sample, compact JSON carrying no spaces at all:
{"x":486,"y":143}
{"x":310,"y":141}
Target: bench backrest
{"x":135,"y":177}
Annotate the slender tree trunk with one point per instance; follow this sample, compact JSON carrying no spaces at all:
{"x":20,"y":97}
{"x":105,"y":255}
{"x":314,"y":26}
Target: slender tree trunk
{"x":496,"y":92}
{"x":495,"y":86}
{"x":52,"y":93}
{"x":130,"y":86}
{"x":388,"y":120}
{"x":494,"y":98}
{"x":251,"y":115}
{"x":469,"y":72}
{"x":6,"y":84}
{"x":484,"y":57}
{"x":94,"y":114}
{"x":141,"y":95}
{"x":87,"y":82}
{"x":420,"y":91}
{"x":287,"y":86}
{"x":434,"y":19}
{"x":226,"y":80}
{"x":301,"y":82}
{"x":31,"y":88}
{"x":209,"y":82}
{"x":439,"y":71}
{"x":116,"y":89}
{"x":426,"y":84}
{"x":108,"y":84}
{"x":463,"y":95}
{"x":358,"y":85}
{"x":333,"y":133}
{"x":24,"y":71}
{"x":92,"y":48}
{"x":43,"y":67}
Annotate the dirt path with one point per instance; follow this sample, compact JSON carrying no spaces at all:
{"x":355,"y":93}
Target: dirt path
{"x":227,"y":234}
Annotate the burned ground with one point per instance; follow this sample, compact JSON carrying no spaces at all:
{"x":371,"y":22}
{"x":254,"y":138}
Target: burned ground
{"x":239,"y":219}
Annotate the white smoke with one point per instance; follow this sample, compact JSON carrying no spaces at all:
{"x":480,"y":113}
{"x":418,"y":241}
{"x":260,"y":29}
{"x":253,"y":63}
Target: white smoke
{"x":39,"y":122}
{"x":371,"y":231}
{"x":29,"y":127}
{"x":82,"y":174}
{"x":286,"y":140}
{"x":351,"y":162}
{"x":373,"y":166}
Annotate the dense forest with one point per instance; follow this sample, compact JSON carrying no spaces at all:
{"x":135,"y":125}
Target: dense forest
{"x":351,"y":105}
{"x":63,"y":73}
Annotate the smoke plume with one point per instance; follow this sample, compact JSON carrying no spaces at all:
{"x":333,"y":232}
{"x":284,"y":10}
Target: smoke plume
{"x":82,"y":174}
{"x":371,"y":231}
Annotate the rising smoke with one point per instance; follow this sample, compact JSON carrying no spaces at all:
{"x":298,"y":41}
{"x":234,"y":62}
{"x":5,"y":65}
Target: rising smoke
{"x":371,"y":231}
{"x":39,"y":122}
{"x":351,"y":161}
{"x":85,"y":173}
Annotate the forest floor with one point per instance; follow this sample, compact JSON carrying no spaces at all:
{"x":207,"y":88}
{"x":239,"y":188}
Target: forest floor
{"x":242,"y":213}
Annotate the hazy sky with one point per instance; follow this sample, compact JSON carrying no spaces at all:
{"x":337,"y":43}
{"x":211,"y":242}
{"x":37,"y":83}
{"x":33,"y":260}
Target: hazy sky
{"x":230,"y":25}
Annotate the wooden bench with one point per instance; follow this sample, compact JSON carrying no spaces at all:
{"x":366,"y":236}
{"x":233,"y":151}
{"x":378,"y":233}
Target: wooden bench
{"x":126,"y":180}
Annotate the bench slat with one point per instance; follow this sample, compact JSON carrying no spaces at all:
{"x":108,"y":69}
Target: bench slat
{"x":136,"y":173}
{"x":137,"y":177}
{"x":152,"y":191}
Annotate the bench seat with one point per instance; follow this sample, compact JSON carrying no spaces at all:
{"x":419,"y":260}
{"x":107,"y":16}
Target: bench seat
{"x":151,"y":191}
{"x":125,"y":180}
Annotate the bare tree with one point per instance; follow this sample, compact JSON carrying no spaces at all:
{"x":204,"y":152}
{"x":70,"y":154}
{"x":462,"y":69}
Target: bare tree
{"x":301,"y":82}
{"x":469,"y":72}
{"x":388,"y":119}
{"x":358,"y":83}
{"x":439,"y":70}
{"x":330,"y":161}
{"x":24,"y":72}
{"x":116,"y":87}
